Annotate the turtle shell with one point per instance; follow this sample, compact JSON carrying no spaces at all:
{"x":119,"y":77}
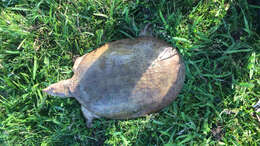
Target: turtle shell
{"x":128,"y":78}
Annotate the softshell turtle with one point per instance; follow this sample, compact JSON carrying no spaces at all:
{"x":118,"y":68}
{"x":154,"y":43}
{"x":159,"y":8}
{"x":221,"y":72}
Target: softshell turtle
{"x":124,"y":79}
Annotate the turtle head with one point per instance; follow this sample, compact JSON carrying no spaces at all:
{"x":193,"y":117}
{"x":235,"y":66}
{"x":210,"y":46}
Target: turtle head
{"x":62,"y":89}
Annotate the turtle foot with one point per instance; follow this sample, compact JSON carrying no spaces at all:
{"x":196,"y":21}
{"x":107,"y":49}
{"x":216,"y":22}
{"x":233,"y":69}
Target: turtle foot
{"x":89,"y":116}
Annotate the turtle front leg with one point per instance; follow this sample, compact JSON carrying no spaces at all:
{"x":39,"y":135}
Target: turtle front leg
{"x":89,"y":116}
{"x":77,"y":62}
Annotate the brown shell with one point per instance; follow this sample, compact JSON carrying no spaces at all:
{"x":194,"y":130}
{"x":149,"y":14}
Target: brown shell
{"x":128,"y":78}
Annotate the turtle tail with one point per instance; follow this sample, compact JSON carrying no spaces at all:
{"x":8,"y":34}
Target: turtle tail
{"x":146,"y":31}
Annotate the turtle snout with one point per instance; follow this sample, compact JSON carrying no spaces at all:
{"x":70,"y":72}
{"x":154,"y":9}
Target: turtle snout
{"x":48,"y":90}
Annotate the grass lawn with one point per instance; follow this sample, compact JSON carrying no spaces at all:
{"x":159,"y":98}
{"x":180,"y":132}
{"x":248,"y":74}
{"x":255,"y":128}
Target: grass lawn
{"x":218,"y":39}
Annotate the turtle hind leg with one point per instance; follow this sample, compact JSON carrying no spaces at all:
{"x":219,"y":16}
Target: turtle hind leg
{"x":89,"y":116}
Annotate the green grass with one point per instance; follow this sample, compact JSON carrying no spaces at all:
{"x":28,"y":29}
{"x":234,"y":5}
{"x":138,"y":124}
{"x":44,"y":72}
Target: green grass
{"x":218,"y":39}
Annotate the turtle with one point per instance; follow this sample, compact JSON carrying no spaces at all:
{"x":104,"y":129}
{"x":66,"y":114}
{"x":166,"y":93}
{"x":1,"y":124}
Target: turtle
{"x":124,"y":79}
